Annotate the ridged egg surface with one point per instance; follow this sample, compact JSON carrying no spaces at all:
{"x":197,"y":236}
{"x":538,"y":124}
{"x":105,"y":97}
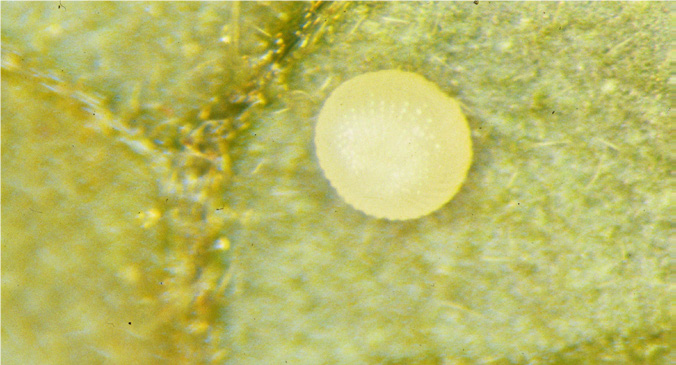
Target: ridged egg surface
{"x":393,"y":144}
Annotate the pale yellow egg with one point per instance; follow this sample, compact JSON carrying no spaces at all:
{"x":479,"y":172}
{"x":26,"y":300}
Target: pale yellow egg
{"x":393,"y":144}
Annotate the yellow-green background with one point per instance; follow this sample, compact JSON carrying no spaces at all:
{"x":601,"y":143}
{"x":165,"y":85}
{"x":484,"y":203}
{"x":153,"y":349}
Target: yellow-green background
{"x":119,"y":247}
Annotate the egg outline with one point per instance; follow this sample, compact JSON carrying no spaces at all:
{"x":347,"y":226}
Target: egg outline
{"x":428,"y":116}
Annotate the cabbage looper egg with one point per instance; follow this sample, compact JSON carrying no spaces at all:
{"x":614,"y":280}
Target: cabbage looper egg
{"x":393,"y":144}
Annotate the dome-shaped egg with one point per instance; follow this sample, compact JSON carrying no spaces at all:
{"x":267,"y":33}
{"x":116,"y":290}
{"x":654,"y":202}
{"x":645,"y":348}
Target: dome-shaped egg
{"x":393,"y":144}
